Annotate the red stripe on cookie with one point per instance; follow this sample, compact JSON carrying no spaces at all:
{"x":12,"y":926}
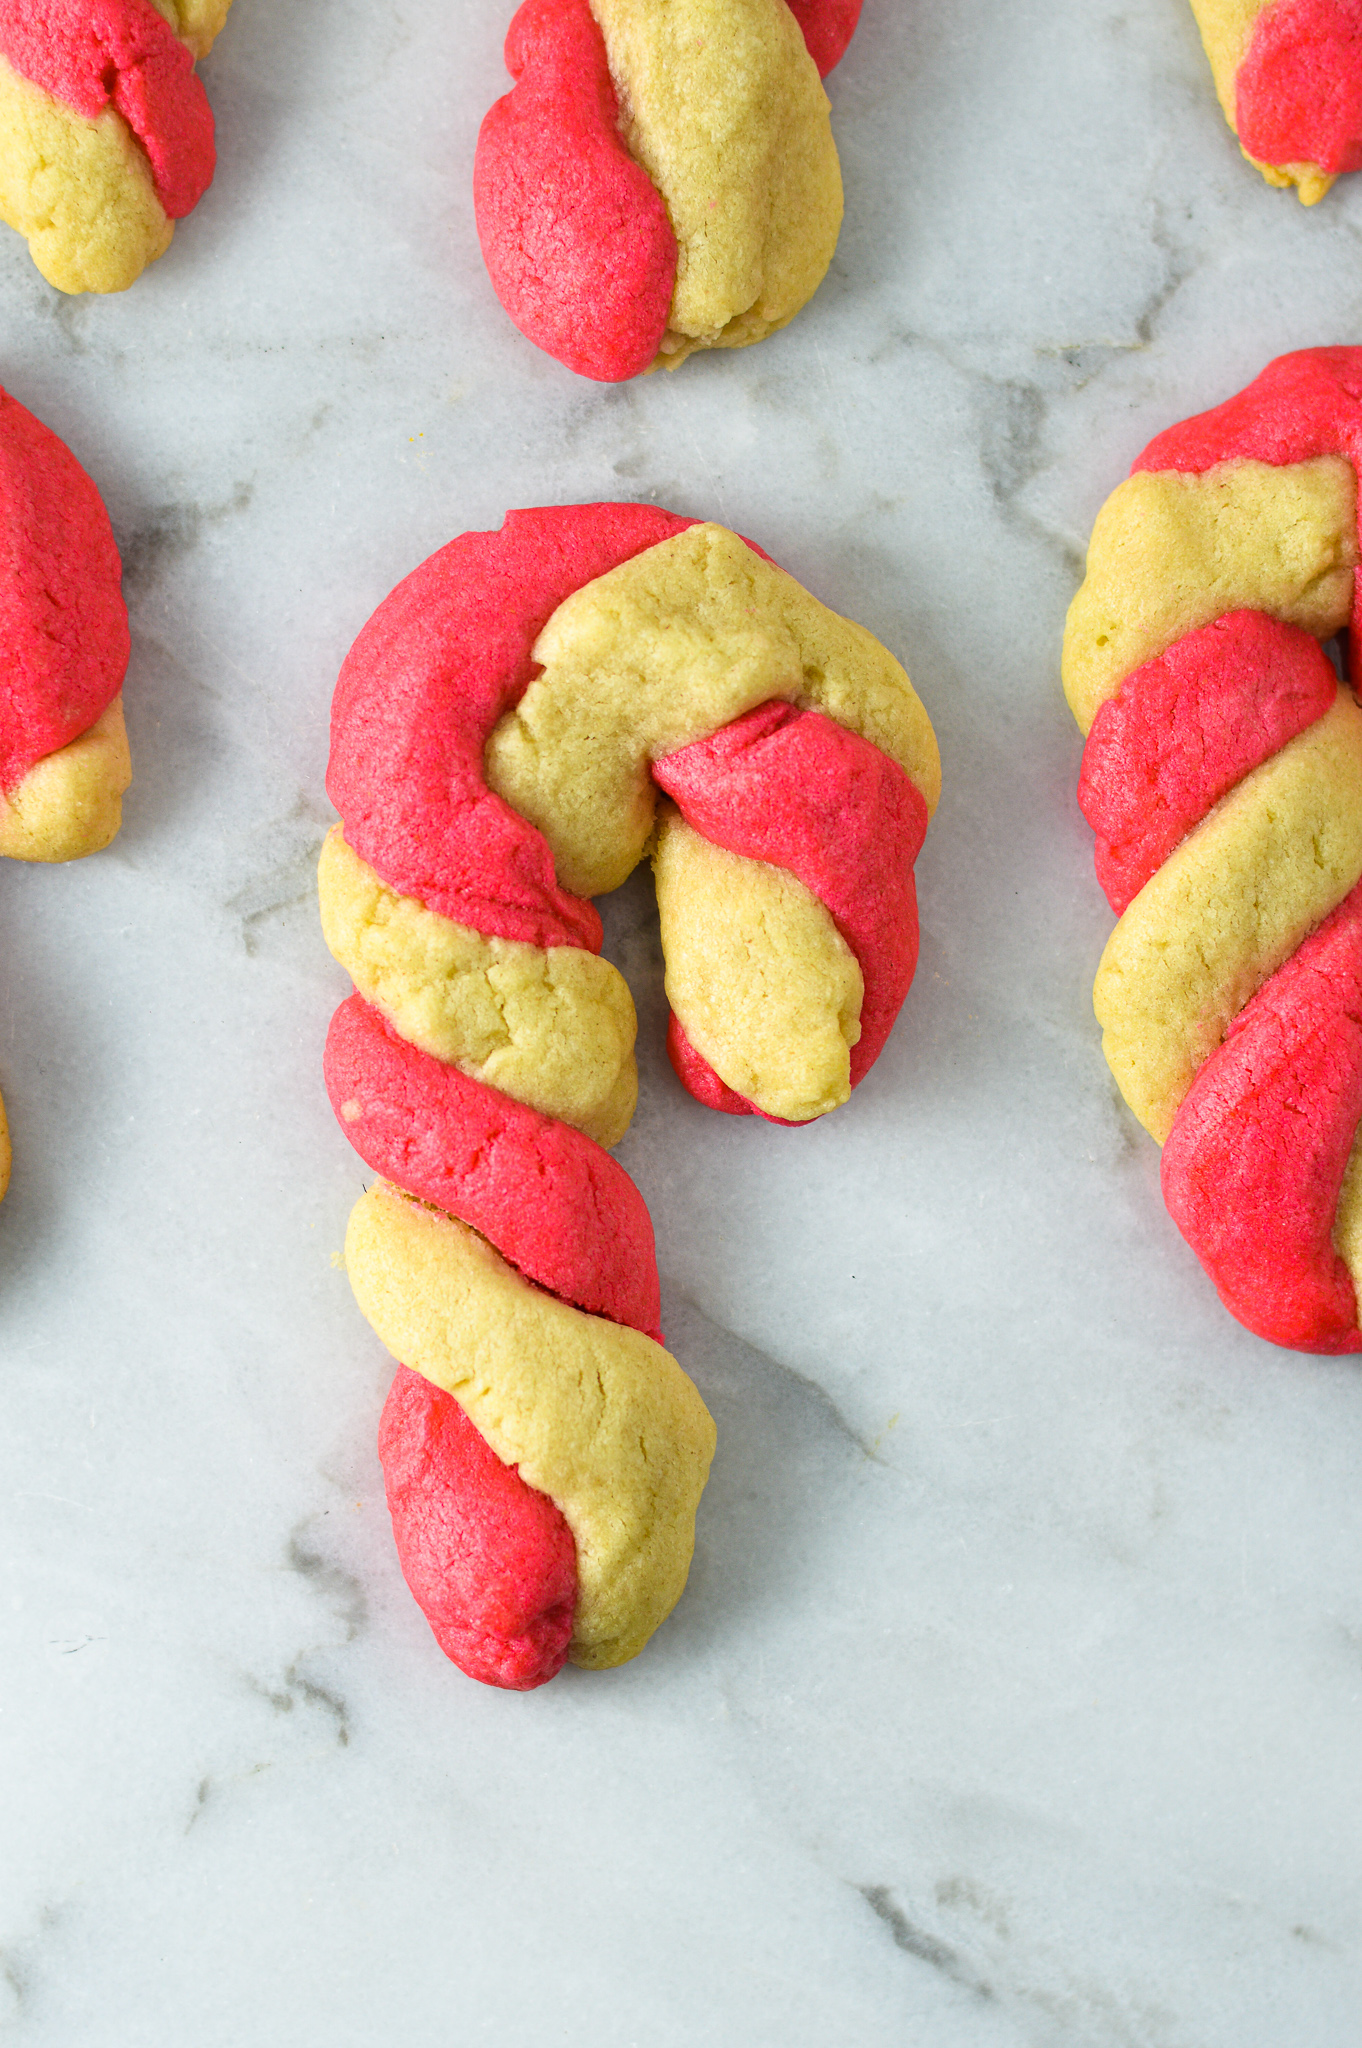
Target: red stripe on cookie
{"x":1186,"y":727}
{"x":1254,"y":1164}
{"x":1298,"y":92}
{"x":490,"y":1561}
{"x":446,"y":654}
{"x":93,"y":54}
{"x":828,"y":26}
{"x":575,"y":235}
{"x":1305,"y":404}
{"x":553,"y":1203}
{"x":797,"y":790}
{"x":63,"y":624}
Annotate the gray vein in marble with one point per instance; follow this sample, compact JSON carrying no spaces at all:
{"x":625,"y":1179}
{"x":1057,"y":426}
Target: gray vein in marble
{"x":330,"y":1581}
{"x":172,"y":529}
{"x":299,"y":1690}
{"x":345,"y":1596}
{"x":1179,"y":265}
{"x":924,"y":1947}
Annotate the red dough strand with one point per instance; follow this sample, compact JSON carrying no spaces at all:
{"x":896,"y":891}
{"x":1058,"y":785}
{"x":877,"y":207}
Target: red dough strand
{"x":63,"y":624}
{"x":1184,"y":729}
{"x":94,"y":54}
{"x":1298,"y":92}
{"x":1254,"y":1164}
{"x":441,"y":660}
{"x":574,"y":234}
{"x":552,"y":1202}
{"x":490,"y":1561}
{"x":801,"y":792}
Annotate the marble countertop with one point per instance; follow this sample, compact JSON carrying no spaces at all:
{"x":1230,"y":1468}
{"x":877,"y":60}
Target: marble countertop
{"x":1014,"y":1700}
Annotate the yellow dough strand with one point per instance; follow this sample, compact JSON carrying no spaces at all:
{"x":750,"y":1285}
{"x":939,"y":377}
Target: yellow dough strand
{"x":80,"y":190}
{"x":593,"y":1414}
{"x":764,"y":984}
{"x":722,"y":105}
{"x":554,"y":1027}
{"x":70,"y":803}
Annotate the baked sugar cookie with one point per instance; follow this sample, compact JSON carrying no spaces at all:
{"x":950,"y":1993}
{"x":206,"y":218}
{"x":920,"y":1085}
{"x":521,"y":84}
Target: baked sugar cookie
{"x":64,"y":635}
{"x":525,"y":718}
{"x":663,"y":177}
{"x":1223,"y":778}
{"x":1288,"y":74}
{"x":106,"y":134}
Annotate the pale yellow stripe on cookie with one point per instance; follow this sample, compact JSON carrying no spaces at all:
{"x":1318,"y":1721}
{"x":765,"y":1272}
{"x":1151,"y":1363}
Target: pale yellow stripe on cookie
{"x":554,"y":1027}
{"x":1348,"y":1217}
{"x":595,"y":1415}
{"x":1171,"y":552}
{"x":1227,"y":30}
{"x":70,"y":803}
{"x":1227,"y":908}
{"x":763,"y":982}
{"x":664,"y":650}
{"x":722,"y":105}
{"x":80,"y":190}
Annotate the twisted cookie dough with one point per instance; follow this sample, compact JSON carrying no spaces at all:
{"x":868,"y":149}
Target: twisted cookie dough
{"x":1223,"y":777}
{"x":64,"y":645}
{"x":663,"y":176}
{"x":1288,"y":74}
{"x":106,"y":134}
{"x":519,"y":723}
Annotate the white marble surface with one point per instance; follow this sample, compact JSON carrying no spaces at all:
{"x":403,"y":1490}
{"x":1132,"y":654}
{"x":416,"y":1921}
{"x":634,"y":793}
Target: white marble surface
{"x":1015,"y":1697}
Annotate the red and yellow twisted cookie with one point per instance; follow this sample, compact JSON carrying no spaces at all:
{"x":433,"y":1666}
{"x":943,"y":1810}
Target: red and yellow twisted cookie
{"x":1288,"y":74}
{"x":106,"y":134}
{"x":1223,"y":778}
{"x":663,"y":177}
{"x":64,"y":635}
{"x":503,"y":730}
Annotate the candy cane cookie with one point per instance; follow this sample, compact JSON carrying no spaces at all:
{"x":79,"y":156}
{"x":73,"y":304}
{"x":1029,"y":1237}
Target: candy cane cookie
{"x":106,"y":134}
{"x":523,"y":719}
{"x":662,"y":178}
{"x":1288,"y":74}
{"x":1223,"y":779}
{"x":64,"y":633}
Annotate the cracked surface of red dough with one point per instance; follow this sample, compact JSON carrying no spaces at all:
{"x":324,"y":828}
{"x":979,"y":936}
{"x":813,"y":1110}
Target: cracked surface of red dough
{"x":490,"y":1560}
{"x":552,"y":1202}
{"x":575,"y":235}
{"x":1305,"y":404}
{"x":1186,"y":727}
{"x":1298,"y":91}
{"x":63,"y":623}
{"x":93,"y":54}
{"x":1254,"y":1164}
